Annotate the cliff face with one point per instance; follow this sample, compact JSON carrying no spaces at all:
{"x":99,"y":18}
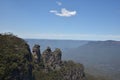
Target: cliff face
{"x":15,"y":58}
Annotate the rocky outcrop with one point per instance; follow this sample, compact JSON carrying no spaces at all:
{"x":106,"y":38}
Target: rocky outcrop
{"x":60,"y":70}
{"x":52,"y":60}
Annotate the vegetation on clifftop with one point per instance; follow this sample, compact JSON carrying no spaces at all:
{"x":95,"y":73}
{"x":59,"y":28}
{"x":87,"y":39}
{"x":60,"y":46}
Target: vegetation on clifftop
{"x":14,"y":58}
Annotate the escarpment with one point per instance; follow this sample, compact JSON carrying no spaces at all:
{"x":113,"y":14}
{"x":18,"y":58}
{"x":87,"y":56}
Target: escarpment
{"x":15,"y":58}
{"x":17,"y":62}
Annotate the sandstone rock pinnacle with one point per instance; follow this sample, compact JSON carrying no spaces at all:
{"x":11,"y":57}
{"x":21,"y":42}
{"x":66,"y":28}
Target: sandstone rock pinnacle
{"x":36,"y":53}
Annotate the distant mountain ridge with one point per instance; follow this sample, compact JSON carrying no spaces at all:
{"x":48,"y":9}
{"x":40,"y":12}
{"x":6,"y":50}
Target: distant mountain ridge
{"x":106,"y":43}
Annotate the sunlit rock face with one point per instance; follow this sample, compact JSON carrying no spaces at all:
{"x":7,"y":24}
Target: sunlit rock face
{"x":36,"y":53}
{"x":52,"y":60}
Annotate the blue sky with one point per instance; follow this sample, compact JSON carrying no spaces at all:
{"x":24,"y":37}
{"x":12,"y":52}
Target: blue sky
{"x":61,"y":19}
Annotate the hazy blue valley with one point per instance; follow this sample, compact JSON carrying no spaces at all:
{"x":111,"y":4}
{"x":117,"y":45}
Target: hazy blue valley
{"x":101,"y":58}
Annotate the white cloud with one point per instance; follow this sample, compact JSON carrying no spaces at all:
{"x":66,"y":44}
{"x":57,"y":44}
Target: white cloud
{"x":64,"y":13}
{"x":59,"y":3}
